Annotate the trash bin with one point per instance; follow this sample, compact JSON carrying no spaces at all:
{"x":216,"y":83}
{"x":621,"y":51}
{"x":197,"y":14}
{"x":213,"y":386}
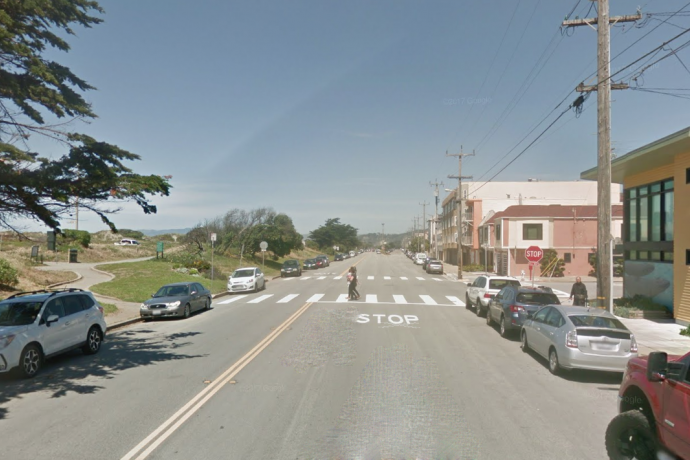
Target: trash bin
{"x":73,"y":256}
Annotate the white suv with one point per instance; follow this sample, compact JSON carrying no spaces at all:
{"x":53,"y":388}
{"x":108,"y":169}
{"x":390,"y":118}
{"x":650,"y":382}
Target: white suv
{"x":420,"y":258}
{"x":40,"y":324}
{"x":480,"y":291}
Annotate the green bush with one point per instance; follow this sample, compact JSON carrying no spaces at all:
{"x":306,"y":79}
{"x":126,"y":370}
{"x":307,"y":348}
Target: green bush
{"x":473,"y":267}
{"x":133,"y":234}
{"x":639,"y":302}
{"x":8,"y":274}
{"x":191,"y":261}
{"x":685,"y":331}
{"x":80,"y":236}
{"x":623,"y":312}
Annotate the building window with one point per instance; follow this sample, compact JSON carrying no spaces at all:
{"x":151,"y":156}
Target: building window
{"x":687,"y":176}
{"x":649,"y":212}
{"x":687,"y":257}
{"x":655,"y":255}
{"x":668,"y":256}
{"x":567,"y":257}
{"x":531,"y":231}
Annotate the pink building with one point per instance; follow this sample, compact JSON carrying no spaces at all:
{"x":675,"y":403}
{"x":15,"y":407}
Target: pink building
{"x":570,"y":230}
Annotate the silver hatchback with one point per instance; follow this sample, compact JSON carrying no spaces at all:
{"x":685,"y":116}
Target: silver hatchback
{"x":578,"y":338}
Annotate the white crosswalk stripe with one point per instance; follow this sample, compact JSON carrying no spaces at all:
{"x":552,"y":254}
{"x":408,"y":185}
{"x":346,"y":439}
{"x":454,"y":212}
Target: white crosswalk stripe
{"x":404,"y":278}
{"x":305,"y":278}
{"x":342,"y":298}
{"x":399,"y":299}
{"x":371,"y":298}
{"x":315,"y":298}
{"x":437,"y":279}
{"x":428,"y":300}
{"x":261,"y":299}
{"x":321,"y":278}
{"x":288,"y":279}
{"x":420,"y":278}
{"x":455,"y":300}
{"x":337,"y":277}
{"x":287,"y":298}
{"x":386,"y":277}
{"x":370,"y":277}
{"x":232,"y":299}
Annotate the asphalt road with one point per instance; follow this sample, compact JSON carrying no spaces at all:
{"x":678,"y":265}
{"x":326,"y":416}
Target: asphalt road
{"x":301,"y":375}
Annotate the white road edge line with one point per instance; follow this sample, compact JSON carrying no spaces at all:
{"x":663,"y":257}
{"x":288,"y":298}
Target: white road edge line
{"x":390,"y":303}
{"x":209,"y":391}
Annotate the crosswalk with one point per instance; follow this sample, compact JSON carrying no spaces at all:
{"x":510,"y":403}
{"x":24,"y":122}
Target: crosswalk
{"x":369,"y":278}
{"x":397,"y":299}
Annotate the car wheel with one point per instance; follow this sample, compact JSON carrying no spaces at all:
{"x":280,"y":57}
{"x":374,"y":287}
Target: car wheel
{"x":207,"y":306}
{"x":502,"y":327}
{"x":468,"y":304}
{"x":489,"y":321}
{"x":94,"y":339}
{"x":478,"y":308}
{"x":187,"y":311}
{"x":31,"y":361}
{"x":629,"y":435}
{"x":523,"y":342}
{"x":554,"y":366}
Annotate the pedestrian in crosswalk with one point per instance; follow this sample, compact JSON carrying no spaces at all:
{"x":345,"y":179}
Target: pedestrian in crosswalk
{"x":352,"y":293}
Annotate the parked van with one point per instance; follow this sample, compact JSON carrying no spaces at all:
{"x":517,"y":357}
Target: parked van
{"x":420,"y":258}
{"x":352,"y":253}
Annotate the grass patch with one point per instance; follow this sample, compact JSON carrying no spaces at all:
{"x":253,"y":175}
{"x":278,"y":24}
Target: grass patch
{"x":109,"y":308}
{"x":135,"y":282}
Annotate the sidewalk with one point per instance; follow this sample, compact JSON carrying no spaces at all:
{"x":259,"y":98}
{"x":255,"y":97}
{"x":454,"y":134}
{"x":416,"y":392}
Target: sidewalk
{"x":663,"y":335}
{"x":87,"y":275}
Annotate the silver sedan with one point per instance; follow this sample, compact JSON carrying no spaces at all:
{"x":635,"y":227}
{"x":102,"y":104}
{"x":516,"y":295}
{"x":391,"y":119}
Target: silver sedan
{"x":578,"y":338}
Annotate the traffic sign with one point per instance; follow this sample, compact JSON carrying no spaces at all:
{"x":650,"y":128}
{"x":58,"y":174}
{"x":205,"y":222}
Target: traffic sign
{"x":263,"y":245}
{"x":213,"y":237}
{"x":534,"y":253}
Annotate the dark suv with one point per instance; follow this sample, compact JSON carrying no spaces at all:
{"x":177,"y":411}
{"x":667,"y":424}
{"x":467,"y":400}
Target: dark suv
{"x":291,"y":268}
{"x":512,"y":305}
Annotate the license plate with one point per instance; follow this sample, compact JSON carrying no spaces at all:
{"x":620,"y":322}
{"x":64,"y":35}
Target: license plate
{"x":601,"y":346}
{"x":157,"y":313}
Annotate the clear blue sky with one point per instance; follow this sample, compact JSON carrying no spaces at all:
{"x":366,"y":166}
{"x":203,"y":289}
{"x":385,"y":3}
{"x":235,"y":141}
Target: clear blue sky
{"x":325,"y":109}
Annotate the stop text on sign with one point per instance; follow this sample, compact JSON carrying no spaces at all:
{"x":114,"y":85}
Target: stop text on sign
{"x":535,"y":254}
{"x":392,"y":319}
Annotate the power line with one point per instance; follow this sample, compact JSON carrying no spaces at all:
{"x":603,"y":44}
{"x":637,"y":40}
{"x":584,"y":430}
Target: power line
{"x":486,"y":76}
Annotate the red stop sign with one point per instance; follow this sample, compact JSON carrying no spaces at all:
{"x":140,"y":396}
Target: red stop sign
{"x":534,"y":253}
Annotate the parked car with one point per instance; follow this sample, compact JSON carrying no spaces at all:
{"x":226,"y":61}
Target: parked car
{"x":127,"y":242}
{"x":512,"y":305}
{"x":176,"y":299}
{"x":320,"y":263}
{"x":310,"y":264}
{"x":479,"y":292}
{"x":434,"y":266}
{"x":338,"y":257}
{"x":353,"y":253}
{"x":291,"y":268}
{"x":426,"y":261}
{"x":324,"y":259}
{"x":653,"y":409}
{"x":247,"y":279}
{"x":578,"y":337}
{"x":37,"y":325}
{"x":419,"y":258}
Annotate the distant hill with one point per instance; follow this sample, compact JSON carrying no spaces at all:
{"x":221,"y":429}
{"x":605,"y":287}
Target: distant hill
{"x":374,"y":239}
{"x":179,"y":231}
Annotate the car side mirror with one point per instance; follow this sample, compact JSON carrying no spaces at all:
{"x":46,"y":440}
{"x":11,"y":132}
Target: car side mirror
{"x":52,"y":319}
{"x":529,"y":315}
{"x":657,"y":365}
{"x":194,"y":292}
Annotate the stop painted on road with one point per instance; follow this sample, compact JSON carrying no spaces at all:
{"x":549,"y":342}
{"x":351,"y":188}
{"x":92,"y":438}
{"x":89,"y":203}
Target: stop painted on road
{"x":392,"y":319}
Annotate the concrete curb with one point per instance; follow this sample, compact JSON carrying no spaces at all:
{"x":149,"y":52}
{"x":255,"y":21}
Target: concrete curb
{"x":66,"y":282}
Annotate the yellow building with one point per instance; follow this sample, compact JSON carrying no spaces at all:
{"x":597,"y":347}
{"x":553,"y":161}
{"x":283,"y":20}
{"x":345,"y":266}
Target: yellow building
{"x":656,"y":224}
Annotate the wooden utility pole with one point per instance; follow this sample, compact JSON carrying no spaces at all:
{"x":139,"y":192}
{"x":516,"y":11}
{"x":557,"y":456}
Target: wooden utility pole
{"x":423,"y":205}
{"x":603,"y":89}
{"x":435,"y":184}
{"x":458,"y":200}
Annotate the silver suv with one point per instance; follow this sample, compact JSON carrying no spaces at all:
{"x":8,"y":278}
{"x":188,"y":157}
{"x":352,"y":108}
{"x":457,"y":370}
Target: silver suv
{"x":37,"y":325}
{"x":480,"y":291}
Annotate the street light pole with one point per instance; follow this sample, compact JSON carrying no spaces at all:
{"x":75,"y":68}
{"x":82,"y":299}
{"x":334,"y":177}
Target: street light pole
{"x":459,"y":177}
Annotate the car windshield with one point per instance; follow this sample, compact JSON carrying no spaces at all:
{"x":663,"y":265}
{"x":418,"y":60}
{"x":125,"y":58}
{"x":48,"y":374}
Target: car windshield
{"x":172,"y":291}
{"x":309,"y":261}
{"x":243,"y":274}
{"x":538,"y":298}
{"x":500,"y":284}
{"x":291,"y":263}
{"x":596,"y":321}
{"x":19,"y":313}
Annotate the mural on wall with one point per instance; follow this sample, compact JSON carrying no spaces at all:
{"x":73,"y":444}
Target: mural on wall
{"x":649,"y":279}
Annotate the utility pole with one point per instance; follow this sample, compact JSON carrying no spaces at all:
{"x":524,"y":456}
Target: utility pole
{"x":383,"y":236}
{"x":423,"y":205}
{"x":458,"y":200}
{"x":76,"y":204}
{"x":603,"y":89}
{"x":436,"y":184}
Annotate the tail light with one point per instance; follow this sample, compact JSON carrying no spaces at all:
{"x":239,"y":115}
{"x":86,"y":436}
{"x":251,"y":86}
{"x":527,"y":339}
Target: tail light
{"x":487,"y":296}
{"x":516,"y":308}
{"x":633,"y":344}
{"x":100,"y":308}
{"x":571,"y":339}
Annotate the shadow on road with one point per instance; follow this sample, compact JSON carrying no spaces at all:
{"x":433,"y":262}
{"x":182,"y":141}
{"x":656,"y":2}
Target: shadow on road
{"x":78,"y":373}
{"x":583,"y":375}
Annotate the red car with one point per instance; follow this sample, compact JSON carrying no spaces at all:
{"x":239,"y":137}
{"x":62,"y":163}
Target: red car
{"x":654,"y":409}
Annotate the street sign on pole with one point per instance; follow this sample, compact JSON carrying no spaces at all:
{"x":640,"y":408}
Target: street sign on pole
{"x":534,"y":254}
{"x":263,"y":245}
{"x":213,"y":237}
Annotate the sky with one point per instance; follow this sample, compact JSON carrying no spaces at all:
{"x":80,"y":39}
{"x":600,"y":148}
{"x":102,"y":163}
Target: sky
{"x":323,"y":109}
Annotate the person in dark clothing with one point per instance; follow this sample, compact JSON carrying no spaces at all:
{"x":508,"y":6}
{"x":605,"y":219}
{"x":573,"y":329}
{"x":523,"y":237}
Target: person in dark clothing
{"x":579,"y":291}
{"x":352,"y":293}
